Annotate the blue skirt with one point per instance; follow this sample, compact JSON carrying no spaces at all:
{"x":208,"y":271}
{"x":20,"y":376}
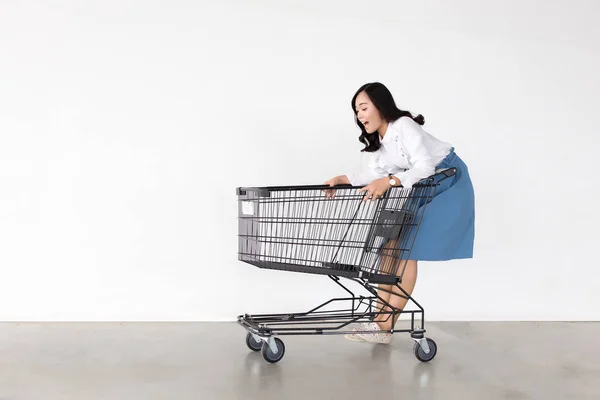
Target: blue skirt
{"x":447,"y":228}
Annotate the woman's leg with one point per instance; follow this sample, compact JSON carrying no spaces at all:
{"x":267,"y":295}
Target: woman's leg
{"x":391,"y":294}
{"x":398,"y":299}
{"x":392,"y":265}
{"x":384,"y":292}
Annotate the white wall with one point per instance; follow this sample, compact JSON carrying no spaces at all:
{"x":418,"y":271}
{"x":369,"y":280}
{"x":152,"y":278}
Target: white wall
{"x":125,"y":127}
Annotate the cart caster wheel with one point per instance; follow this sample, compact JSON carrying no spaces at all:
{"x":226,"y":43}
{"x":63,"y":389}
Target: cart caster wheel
{"x":420,"y":353}
{"x":252,"y":343}
{"x":268,"y":353}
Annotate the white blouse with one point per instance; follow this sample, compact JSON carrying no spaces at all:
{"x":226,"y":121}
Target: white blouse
{"x":407,"y":151}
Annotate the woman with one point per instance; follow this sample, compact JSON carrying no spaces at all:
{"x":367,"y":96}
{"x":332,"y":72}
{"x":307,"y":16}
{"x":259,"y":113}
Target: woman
{"x":403,"y":153}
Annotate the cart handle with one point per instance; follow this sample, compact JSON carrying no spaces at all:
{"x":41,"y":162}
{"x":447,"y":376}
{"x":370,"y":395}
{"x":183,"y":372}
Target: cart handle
{"x":264,"y":191}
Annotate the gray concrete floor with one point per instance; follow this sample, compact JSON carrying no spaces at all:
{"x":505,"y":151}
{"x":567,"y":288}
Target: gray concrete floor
{"x":146,"y":361}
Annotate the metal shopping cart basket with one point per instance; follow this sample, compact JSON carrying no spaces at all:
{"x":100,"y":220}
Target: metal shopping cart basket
{"x":299,"y":229}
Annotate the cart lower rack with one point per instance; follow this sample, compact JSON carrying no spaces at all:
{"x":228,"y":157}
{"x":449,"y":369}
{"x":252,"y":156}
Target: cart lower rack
{"x":300,"y":229}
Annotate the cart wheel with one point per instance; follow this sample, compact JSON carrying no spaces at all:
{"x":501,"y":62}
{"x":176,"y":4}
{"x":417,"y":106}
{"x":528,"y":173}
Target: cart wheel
{"x":268,"y":353}
{"x":252,"y":343}
{"x":420,"y":353}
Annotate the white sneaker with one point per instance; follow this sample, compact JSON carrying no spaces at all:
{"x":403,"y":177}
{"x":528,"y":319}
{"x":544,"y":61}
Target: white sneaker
{"x":365,"y":326}
{"x":374,"y":337}
{"x":354,"y":336}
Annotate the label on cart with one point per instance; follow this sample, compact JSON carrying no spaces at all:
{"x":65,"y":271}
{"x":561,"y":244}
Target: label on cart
{"x":247,"y":207}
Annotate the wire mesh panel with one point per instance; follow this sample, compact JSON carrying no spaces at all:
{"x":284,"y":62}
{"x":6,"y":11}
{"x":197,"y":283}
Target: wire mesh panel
{"x":300,"y":229}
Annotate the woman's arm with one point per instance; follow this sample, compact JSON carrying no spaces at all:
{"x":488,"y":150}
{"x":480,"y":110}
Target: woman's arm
{"x":373,"y":172}
{"x":417,"y":151}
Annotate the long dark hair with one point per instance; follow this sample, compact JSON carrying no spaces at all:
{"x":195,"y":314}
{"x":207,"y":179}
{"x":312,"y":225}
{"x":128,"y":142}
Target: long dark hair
{"x":383,"y":100}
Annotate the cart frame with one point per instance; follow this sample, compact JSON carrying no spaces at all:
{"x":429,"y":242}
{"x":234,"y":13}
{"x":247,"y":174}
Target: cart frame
{"x":263,"y":330}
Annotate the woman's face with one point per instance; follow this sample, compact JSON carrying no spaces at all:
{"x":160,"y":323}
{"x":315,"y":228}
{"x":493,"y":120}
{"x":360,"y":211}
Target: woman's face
{"x":368,"y":114}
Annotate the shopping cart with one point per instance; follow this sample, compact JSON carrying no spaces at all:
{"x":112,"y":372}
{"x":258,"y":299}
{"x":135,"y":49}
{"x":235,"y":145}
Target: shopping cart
{"x":299,"y":229}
